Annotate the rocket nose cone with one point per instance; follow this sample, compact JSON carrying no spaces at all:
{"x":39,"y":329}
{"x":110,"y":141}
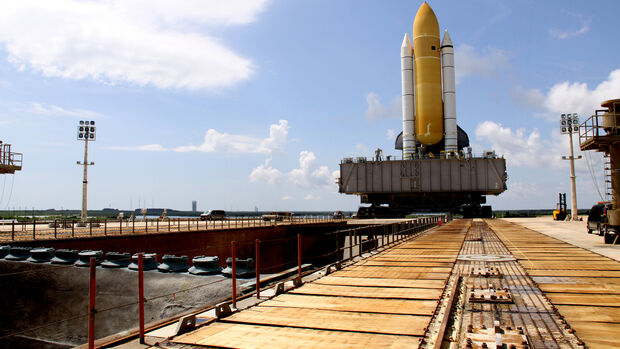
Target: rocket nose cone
{"x":447,"y":41}
{"x":406,"y":42}
{"x":425,"y":22}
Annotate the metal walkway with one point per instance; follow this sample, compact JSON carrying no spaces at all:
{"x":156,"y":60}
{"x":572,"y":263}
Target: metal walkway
{"x":467,"y":283}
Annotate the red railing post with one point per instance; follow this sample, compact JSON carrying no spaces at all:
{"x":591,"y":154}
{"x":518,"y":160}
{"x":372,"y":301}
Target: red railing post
{"x":91,"y":304}
{"x":141,"y":295}
{"x":55,"y":229}
{"x":105,"y":226}
{"x":13,"y":230}
{"x":299,"y":256}
{"x":257,"y":248}
{"x":234,"y":273}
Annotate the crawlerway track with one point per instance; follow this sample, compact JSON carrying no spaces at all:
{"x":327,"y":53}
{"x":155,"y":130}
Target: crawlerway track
{"x":467,"y":284}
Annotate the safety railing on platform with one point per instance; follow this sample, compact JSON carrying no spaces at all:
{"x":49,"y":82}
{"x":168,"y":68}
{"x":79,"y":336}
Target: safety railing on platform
{"x":335,"y":249}
{"x":597,"y":126}
{"x":14,"y":230}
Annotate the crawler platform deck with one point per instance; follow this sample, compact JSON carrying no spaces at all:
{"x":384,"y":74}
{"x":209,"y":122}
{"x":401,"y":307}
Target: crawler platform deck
{"x":475,"y":284}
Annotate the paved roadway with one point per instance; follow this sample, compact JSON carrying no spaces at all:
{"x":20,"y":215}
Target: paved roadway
{"x":573,"y":232}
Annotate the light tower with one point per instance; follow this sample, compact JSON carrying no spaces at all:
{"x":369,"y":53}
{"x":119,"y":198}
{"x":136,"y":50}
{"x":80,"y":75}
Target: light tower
{"x":87,"y":133}
{"x":569,"y":124}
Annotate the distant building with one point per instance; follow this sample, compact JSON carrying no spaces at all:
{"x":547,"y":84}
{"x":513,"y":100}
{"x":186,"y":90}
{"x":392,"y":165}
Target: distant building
{"x":194,"y":206}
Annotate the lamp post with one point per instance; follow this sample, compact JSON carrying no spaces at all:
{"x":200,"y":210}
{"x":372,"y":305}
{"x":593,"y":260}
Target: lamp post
{"x":569,"y":124}
{"x":86,"y":132}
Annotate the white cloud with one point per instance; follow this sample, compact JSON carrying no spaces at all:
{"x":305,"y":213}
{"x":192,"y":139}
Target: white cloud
{"x":567,"y":97}
{"x":215,"y":141}
{"x":265,"y":173}
{"x":390,"y":134}
{"x":377,"y":111}
{"x":310,"y":174}
{"x":50,"y":109}
{"x":523,"y":149}
{"x":156,"y":43}
{"x":485,"y":63}
{"x":311,"y":197}
{"x":579,"y":26}
{"x":286,"y":198}
{"x":522,"y":191}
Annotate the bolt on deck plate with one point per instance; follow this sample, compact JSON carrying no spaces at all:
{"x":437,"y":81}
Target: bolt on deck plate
{"x":488,"y":272}
{"x":497,"y":337}
{"x":490,"y":295}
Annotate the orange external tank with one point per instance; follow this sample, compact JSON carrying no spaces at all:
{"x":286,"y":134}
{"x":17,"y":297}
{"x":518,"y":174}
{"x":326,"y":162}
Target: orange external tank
{"x":427,"y":66}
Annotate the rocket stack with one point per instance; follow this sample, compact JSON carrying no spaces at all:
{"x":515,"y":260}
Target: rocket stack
{"x":429,"y":111}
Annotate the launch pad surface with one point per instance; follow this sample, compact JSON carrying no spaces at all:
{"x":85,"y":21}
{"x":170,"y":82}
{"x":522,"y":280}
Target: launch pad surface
{"x":542,"y":293}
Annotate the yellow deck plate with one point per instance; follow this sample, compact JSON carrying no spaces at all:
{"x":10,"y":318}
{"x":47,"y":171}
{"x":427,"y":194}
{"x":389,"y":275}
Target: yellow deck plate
{"x":404,"y":269}
{"x":569,"y":265}
{"x":413,"y":325}
{"x":370,"y":305}
{"x":607,"y":300}
{"x":377,"y":282}
{"x":558,"y":272}
{"x":596,"y":314}
{"x":254,"y":336}
{"x":580,"y":288}
{"x":405,"y":264}
{"x":394,"y":274}
{"x":405,"y":258}
{"x":370,"y":292}
{"x":598,"y":334}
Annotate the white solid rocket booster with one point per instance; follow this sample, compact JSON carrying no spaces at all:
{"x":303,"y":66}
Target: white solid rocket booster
{"x":449,"y":94}
{"x":406,"y":64}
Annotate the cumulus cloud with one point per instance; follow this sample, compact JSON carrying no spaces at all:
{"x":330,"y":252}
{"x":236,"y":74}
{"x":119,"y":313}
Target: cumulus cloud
{"x":376,"y":111}
{"x":486,"y":62}
{"x":310,"y":174}
{"x":265,"y":173}
{"x":579,"y":26}
{"x":159,"y":43}
{"x":215,"y":141}
{"x":569,"y":97}
{"x":528,"y":149}
{"x":311,"y":197}
{"x":50,"y":109}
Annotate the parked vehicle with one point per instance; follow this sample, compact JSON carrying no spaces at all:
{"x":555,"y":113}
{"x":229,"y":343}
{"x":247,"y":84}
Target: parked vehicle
{"x":212,"y":215}
{"x":338,"y":215}
{"x":597,"y":217}
{"x":277,"y":216}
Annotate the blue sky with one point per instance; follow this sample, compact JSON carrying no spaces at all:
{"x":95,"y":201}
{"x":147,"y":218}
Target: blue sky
{"x":250,"y":103}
